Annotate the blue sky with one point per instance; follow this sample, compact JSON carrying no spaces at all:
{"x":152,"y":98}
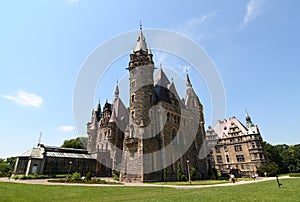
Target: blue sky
{"x":254,"y":45}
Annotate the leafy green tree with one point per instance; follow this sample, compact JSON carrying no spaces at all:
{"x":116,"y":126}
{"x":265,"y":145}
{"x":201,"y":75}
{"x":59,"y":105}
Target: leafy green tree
{"x":271,"y":169}
{"x":7,"y":166}
{"x":287,"y":158}
{"x":77,"y":143}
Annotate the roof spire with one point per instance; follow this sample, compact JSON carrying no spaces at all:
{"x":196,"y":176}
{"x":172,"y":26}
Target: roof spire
{"x":141,"y":41}
{"x":248,"y":119}
{"x":188,"y":82}
{"x":117,"y":91}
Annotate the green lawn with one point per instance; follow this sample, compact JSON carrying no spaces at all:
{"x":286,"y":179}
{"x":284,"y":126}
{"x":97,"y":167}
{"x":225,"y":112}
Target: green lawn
{"x":261,"y":191}
{"x":197,"y":182}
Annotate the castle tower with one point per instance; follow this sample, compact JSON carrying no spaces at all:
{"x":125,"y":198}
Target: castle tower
{"x":141,"y":68}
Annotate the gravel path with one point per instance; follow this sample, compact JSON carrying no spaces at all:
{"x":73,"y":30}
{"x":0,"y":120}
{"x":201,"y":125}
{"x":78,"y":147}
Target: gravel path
{"x":44,"y":182}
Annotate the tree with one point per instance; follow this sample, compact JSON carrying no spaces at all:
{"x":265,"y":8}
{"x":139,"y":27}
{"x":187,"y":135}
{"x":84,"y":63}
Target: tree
{"x":78,"y":143}
{"x":287,"y":158}
{"x":7,"y":166}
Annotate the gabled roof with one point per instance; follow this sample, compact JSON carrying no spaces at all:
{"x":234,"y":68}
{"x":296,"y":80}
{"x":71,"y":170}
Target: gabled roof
{"x":161,"y":79}
{"x":222,"y":127}
{"x":119,"y":112}
{"x":33,"y":153}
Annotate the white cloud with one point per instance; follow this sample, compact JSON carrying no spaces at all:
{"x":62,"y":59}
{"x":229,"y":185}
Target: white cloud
{"x":192,"y":26}
{"x":73,"y":2}
{"x":65,"y":128}
{"x":254,"y":9}
{"x":25,"y":99}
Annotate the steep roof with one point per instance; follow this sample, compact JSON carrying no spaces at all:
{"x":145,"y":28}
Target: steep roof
{"x":141,"y":42}
{"x":119,"y":112}
{"x":33,"y":153}
{"x":222,"y":127}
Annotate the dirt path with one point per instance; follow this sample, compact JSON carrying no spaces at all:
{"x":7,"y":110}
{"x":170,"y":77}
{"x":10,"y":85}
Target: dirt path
{"x":44,"y":182}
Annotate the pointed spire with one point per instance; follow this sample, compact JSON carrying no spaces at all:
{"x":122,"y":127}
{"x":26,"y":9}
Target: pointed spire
{"x":117,"y":91}
{"x":248,"y":119}
{"x":188,"y":82}
{"x":141,"y":41}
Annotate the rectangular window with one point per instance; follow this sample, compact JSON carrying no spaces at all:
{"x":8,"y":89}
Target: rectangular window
{"x":227,"y":159}
{"x":240,"y":158}
{"x":225,"y":149}
{"x":219,"y":159}
{"x":218,"y":150}
{"x":238,"y":148}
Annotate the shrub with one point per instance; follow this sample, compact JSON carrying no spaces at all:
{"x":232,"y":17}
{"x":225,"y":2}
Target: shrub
{"x":60,"y":176}
{"x":184,"y":178}
{"x":88,"y":176}
{"x":75,"y":177}
{"x":116,"y":177}
{"x":271,"y":169}
{"x":179,"y":173}
{"x":193,"y":173}
{"x":294,"y":174}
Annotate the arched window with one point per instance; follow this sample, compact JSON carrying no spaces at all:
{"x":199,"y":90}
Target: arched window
{"x":132,"y":98}
{"x":175,"y":118}
{"x":150,"y":98}
{"x":168,"y":116}
{"x":132,"y":114}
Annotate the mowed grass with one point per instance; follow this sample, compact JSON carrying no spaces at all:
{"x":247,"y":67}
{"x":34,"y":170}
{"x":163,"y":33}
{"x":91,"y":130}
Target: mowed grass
{"x":197,"y":182}
{"x":261,"y":191}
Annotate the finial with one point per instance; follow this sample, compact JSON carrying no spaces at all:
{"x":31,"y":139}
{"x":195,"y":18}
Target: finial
{"x":246,"y":112}
{"x":172,"y":80}
{"x":188,"y":82}
{"x":160,"y":65}
{"x":141,"y":25}
{"x":40,"y":138}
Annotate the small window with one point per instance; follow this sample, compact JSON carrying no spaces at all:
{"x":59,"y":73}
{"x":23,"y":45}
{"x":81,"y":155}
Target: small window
{"x":219,"y":159}
{"x":175,"y":118}
{"x":227,"y":159}
{"x":238,"y":148}
{"x":168,"y":116}
{"x":132,"y":98}
{"x":150,"y":98}
{"x":240,"y":158}
{"x":132,"y":114}
{"x":218,"y":150}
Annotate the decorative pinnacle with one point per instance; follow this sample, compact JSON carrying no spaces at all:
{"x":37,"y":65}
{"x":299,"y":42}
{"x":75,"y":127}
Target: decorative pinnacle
{"x":141,"y":25}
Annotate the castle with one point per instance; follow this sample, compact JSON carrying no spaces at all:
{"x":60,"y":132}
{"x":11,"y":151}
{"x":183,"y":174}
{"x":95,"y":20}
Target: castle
{"x":158,"y":136}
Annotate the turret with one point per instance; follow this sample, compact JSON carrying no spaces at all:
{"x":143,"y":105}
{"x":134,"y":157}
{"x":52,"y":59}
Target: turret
{"x":141,"y":68}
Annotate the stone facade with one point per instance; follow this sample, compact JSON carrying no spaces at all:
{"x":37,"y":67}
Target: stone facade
{"x":158,"y":132}
{"x":239,"y":148}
